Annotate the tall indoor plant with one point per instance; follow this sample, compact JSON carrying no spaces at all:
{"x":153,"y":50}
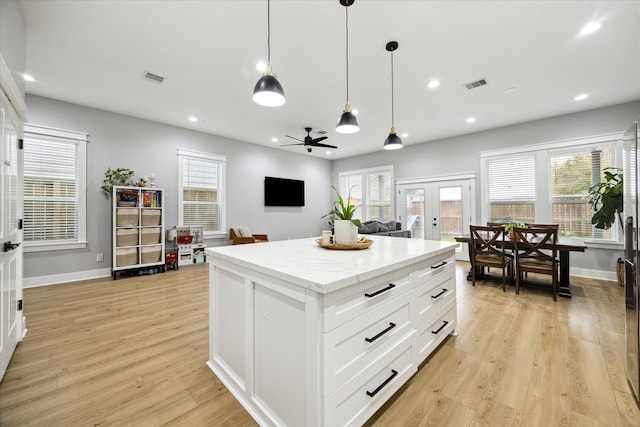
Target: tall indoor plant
{"x":606,"y":198}
{"x":344,"y":224}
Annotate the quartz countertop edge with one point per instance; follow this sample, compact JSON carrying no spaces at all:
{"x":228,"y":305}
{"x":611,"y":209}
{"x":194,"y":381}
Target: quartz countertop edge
{"x":304,"y":263}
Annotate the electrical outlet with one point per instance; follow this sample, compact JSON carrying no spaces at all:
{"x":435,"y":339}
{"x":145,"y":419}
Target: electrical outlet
{"x":100,"y":257}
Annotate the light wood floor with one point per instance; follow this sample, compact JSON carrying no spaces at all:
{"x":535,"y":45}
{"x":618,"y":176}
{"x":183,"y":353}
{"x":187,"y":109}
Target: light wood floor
{"x":133,"y":351}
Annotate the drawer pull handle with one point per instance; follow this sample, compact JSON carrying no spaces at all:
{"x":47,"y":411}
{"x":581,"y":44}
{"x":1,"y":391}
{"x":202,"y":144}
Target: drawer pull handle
{"x":441,"y":292}
{"x":433,"y":267}
{"x":381,"y":386}
{"x":391,"y":326}
{"x":371,"y":295}
{"x":444,"y":323}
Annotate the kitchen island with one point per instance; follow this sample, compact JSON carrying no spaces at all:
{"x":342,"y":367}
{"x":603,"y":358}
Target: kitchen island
{"x":306,"y":336}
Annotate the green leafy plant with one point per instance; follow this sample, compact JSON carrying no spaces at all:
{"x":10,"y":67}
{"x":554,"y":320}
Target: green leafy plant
{"x":606,"y":199}
{"x":342,"y":210}
{"x":508,"y":226}
{"x":119,"y":176}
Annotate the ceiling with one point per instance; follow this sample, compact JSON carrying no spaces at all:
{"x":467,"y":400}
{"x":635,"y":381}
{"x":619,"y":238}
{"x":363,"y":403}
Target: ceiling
{"x":95,"y":53}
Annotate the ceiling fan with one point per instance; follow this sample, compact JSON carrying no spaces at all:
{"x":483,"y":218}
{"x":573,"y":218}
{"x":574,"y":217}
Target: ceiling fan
{"x":310,"y":142}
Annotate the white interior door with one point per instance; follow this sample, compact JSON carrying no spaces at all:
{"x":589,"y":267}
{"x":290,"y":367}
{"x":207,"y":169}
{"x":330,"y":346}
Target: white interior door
{"x":437,"y":210}
{"x":10,"y":235}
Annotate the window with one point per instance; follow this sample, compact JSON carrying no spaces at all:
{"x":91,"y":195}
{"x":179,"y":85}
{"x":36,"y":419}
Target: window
{"x":54,"y":188}
{"x":372,"y":189}
{"x":549,"y":183}
{"x":512,"y":188}
{"x":201,"y":198}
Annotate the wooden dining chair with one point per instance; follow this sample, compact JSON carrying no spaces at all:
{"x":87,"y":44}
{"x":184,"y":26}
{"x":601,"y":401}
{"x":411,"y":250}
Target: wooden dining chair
{"x":536,"y":252}
{"x":487,"y":249}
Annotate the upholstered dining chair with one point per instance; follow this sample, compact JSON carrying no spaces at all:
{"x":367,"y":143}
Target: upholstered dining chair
{"x":536,"y":252}
{"x":487,"y":249}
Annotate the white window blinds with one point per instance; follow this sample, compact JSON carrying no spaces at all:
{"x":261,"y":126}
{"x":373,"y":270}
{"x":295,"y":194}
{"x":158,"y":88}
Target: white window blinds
{"x":51,"y":188}
{"x":512,"y":188}
{"x":201,"y":188}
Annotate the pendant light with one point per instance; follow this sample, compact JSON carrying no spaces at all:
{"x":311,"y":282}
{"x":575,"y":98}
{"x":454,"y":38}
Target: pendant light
{"x":268,"y":91}
{"x":393,"y":141}
{"x":347,"y":123}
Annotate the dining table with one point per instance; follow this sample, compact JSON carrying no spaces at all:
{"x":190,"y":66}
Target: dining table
{"x":564,"y":246}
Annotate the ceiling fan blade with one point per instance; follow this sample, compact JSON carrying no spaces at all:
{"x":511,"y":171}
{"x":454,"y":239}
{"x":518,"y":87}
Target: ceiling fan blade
{"x":322,"y":138}
{"x":293,"y":137}
{"x":287,"y":145}
{"x":325,"y":146}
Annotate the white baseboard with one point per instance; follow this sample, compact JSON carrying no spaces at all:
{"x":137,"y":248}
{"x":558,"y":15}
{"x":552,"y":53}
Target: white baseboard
{"x":594,"y":274}
{"x":34,"y":282}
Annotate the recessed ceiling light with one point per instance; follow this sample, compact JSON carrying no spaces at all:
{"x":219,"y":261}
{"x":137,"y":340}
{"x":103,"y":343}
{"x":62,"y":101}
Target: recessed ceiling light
{"x":404,"y":135}
{"x":355,"y":112}
{"x":261,"y":66}
{"x":591,"y":27}
{"x":193,"y":119}
{"x":433,"y":84}
{"x":581,"y":97}
{"x":274,"y":139}
{"x":327,"y":152}
{"x":471,"y":120}
{"x":28,"y":78}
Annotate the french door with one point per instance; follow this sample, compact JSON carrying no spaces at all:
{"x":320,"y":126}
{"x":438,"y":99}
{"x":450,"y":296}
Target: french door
{"x":437,"y":209}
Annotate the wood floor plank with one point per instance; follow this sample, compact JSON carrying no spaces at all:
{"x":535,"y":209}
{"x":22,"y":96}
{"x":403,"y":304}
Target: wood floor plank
{"x":133,"y":352}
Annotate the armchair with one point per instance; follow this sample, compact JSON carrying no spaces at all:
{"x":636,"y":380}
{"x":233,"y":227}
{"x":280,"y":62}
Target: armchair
{"x":242,"y":235}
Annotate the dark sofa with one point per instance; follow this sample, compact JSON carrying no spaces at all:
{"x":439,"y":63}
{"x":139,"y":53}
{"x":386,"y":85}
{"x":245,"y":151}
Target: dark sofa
{"x":391,"y":228}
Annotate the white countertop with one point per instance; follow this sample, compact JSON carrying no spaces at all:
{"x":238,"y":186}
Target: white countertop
{"x":305,"y":263}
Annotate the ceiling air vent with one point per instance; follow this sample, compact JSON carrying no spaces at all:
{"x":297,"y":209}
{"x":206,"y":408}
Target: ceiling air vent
{"x":321,"y":132}
{"x":153,"y":77}
{"x":476,"y":84}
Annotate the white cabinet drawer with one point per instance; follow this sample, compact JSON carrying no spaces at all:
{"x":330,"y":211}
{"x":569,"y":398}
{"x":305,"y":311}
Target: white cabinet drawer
{"x":433,"y":294}
{"x":433,"y":331}
{"x":347,"y":304}
{"x":434,"y":267}
{"x":357,"y":400}
{"x":354,"y":346}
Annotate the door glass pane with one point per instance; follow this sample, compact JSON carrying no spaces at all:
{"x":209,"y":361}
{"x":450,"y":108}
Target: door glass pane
{"x":450,"y":213}
{"x":415,"y":213}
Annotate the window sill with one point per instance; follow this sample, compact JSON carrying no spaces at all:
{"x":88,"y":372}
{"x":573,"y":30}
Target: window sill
{"x":599,"y":244}
{"x":53,"y":246}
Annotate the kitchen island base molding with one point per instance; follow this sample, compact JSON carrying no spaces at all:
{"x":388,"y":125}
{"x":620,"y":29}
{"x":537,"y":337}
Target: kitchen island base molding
{"x":293,"y":355}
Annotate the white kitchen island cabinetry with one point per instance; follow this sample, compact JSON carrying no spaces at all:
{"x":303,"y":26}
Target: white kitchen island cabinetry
{"x":305,"y":336}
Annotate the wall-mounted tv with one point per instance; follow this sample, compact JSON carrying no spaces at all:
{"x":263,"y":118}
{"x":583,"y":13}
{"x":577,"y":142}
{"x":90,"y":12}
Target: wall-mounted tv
{"x":283,"y":192}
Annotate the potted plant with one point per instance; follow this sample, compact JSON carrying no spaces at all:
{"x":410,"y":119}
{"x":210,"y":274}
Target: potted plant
{"x":606,"y":199}
{"x":509,"y":226}
{"x":344,"y":224}
{"x":119,"y":176}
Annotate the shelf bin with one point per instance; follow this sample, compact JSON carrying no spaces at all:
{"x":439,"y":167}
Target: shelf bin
{"x":127,"y":217}
{"x":127,"y":237}
{"x":151,"y":254}
{"x":151,"y":217}
{"x":126,"y":257}
{"x":151,"y":236}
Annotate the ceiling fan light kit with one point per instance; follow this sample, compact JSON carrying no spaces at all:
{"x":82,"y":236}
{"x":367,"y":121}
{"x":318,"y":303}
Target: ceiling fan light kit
{"x":268,"y":92}
{"x":393,"y":141}
{"x":348,"y":122}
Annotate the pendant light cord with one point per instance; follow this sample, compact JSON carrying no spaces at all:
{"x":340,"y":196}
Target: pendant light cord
{"x":346,"y":13}
{"x":269,"y":35}
{"x":392,"y":112}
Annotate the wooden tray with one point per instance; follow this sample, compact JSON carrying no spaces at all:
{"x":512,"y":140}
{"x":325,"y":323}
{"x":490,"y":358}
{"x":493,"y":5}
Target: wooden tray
{"x":356,"y":246}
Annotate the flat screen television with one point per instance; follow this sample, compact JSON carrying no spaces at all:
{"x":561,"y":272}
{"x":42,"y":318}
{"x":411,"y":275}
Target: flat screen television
{"x":283,"y":192}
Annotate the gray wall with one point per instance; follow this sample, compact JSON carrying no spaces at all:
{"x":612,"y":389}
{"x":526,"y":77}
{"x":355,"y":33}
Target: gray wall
{"x":13,"y":39}
{"x":461,"y":155}
{"x":146,"y":147}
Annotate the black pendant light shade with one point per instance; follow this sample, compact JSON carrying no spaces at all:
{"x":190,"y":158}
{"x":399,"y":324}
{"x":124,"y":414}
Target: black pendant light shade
{"x":348,"y":122}
{"x":268,"y":92}
{"x":393,"y":141}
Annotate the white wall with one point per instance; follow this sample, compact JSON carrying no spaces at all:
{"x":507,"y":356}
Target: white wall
{"x":146,"y":147}
{"x":461,"y":155}
{"x":13,"y":39}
